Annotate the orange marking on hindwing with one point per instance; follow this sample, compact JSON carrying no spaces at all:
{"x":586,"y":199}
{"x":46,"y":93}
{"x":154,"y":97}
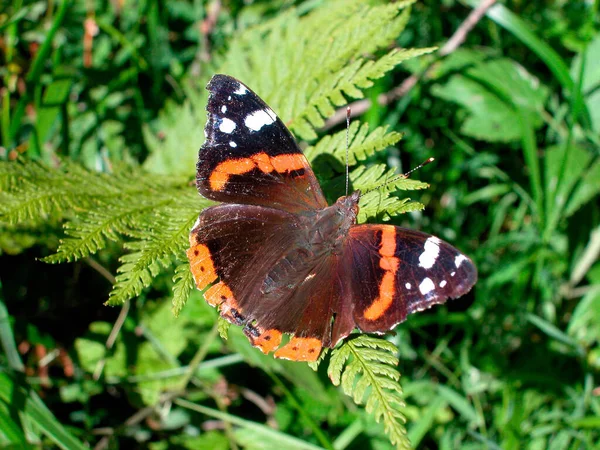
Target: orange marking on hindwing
{"x":300,"y":349}
{"x":261,"y":161}
{"x":201,"y":265}
{"x":267,"y":341}
{"x":219,"y":294}
{"x":389,"y":263}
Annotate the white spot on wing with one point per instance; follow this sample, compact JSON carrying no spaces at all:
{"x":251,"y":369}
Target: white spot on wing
{"x":408,"y":285}
{"x":224,"y":109}
{"x":430,"y":253}
{"x":241,"y":90}
{"x":229,"y":97}
{"x":258,"y":119}
{"x":426,"y":286}
{"x":452,"y":274}
{"x":227,"y":125}
{"x":443,"y":283}
{"x":232,"y":144}
{"x":459,"y":260}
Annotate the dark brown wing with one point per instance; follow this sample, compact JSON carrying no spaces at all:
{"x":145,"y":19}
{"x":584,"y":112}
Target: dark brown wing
{"x":263,"y":278}
{"x":393,"y":272}
{"x":249,"y":156}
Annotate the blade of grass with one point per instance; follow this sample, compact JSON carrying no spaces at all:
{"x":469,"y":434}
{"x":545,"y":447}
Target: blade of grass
{"x":555,"y":333}
{"x":530,"y":154}
{"x":8,"y":339}
{"x":284,"y":440}
{"x":560,"y":199}
{"x":10,"y":431}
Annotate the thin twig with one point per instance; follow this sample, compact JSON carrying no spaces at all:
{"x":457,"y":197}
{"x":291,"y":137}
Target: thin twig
{"x":359,"y":107}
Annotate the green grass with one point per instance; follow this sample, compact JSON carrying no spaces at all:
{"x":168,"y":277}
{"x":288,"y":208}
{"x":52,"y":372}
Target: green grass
{"x":108,"y":148}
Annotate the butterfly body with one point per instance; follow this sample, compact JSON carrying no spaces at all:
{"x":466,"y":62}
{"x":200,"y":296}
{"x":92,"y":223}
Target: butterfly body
{"x":281,"y":260}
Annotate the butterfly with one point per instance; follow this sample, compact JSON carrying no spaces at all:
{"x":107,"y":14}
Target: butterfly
{"x":279,"y":260}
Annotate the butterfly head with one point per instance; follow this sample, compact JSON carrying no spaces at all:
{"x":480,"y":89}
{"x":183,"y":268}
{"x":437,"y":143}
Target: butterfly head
{"x":347,"y":209}
{"x":348,"y":204}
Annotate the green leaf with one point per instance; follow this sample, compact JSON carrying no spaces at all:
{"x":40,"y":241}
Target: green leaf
{"x":304,"y":65}
{"x":184,"y":284}
{"x":490,"y":91}
{"x":363,"y":143}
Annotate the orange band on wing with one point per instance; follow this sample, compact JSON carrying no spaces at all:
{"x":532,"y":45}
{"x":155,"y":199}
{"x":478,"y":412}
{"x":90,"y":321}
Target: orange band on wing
{"x":289,"y":163}
{"x":220,"y":175}
{"x":385,"y":299}
{"x":261,"y":161}
{"x":389,"y":263}
{"x":300,"y":349}
{"x":201,"y":265}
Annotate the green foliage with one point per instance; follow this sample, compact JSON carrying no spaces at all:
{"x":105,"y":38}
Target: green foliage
{"x":491,"y":91}
{"x":133,"y":205}
{"x":106,"y":137}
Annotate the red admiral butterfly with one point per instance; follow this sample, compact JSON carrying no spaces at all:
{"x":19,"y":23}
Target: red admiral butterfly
{"x":286,"y":261}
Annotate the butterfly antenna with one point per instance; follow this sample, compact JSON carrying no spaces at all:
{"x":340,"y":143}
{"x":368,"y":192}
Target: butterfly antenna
{"x":403,"y":176}
{"x":347,"y":145}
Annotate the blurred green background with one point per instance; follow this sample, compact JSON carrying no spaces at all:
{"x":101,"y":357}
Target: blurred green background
{"x":103,"y":108}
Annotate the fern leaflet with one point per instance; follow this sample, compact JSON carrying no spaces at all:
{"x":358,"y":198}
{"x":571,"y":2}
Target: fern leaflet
{"x":182,"y":287}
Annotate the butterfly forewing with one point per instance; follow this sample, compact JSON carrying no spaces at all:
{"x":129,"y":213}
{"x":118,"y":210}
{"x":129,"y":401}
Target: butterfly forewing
{"x":249,"y":156}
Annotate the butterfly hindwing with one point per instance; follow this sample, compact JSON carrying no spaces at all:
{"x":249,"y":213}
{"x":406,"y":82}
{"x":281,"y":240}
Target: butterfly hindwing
{"x":249,"y":156}
{"x":397,"y":271}
{"x":261,"y":277}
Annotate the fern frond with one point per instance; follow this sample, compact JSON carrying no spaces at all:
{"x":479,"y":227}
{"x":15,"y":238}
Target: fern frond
{"x":308,"y":64}
{"x":365,"y":366}
{"x":376,"y":201}
{"x":376,"y":177}
{"x":363,"y":143}
{"x":182,"y":287}
{"x":314,"y":365}
{"x":348,"y":81}
{"x":35,"y":193}
{"x":156,"y":250}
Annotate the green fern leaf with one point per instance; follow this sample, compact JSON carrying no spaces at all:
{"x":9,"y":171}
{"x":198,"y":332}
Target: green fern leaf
{"x":363,"y":143}
{"x":365,"y":367}
{"x":310,"y":63}
{"x":182,"y":287}
{"x":155,"y":251}
{"x":314,"y":365}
